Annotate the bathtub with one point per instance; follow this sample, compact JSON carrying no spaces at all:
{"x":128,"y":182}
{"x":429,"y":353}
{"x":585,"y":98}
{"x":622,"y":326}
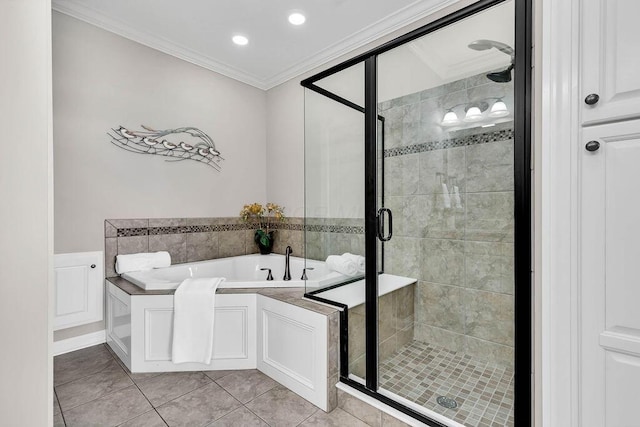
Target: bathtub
{"x":240,"y":272}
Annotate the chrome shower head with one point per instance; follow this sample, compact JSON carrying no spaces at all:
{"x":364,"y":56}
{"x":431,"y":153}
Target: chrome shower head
{"x":488,"y":44}
{"x":503,"y":76}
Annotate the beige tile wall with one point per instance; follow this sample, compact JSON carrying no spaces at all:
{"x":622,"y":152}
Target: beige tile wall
{"x":192,"y":239}
{"x":395,"y":327}
{"x":462,"y":255}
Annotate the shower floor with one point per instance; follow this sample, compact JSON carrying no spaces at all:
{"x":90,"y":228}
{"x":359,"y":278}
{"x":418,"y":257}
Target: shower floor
{"x":422,"y":372}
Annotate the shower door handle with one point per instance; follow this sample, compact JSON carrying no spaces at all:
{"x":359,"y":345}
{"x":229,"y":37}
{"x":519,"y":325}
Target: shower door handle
{"x":381,"y":215}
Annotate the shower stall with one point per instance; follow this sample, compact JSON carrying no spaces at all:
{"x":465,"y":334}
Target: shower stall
{"x":417,"y":158}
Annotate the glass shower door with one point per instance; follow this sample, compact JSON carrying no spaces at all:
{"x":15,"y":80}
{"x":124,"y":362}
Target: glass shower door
{"x":334,"y":199}
{"x":446,"y":174}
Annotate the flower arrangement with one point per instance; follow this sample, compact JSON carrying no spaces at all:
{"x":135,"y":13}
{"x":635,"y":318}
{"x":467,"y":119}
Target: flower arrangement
{"x":263,"y":217}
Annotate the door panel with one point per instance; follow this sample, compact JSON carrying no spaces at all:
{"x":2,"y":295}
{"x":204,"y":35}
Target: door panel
{"x":609,"y":295}
{"x":610,"y":61}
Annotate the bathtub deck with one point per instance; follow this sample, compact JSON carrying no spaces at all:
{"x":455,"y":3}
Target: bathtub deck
{"x":294,"y":296}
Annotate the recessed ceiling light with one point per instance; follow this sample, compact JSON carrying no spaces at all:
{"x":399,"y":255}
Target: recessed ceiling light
{"x":297,"y":18}
{"x":240,"y":40}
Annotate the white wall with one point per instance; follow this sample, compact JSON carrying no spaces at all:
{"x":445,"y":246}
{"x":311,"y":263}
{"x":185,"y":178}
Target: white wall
{"x":25,"y":216}
{"x":100,"y":81}
{"x":285,"y":142}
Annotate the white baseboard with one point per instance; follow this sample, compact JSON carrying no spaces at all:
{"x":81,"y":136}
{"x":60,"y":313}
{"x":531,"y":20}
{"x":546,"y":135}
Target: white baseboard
{"x":76,"y":343}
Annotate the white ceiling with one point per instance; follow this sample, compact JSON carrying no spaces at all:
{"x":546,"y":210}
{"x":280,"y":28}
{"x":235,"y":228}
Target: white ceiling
{"x":200,"y":31}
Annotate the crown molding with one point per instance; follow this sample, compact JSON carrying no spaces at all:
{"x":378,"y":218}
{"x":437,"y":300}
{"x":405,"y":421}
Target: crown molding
{"x":153,"y":41}
{"x":403,"y":17}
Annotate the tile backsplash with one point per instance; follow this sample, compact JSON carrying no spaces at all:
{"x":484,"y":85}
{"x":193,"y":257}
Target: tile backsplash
{"x":192,"y":239}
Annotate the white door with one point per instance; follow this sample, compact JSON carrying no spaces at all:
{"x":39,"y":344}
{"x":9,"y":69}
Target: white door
{"x":610,"y":59}
{"x":609,"y":301}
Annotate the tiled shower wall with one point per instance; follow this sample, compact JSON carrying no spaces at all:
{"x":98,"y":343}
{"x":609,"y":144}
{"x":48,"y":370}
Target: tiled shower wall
{"x":193,"y":239}
{"x":462,"y":255}
{"x":395,"y":328}
{"x":333,"y":236}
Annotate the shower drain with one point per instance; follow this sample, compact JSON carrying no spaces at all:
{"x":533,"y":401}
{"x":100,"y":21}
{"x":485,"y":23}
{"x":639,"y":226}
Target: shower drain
{"x":447,"y":402}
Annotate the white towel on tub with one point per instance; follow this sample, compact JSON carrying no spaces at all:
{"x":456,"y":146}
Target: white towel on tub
{"x":193,"y":305}
{"x":357,"y":259}
{"x":342,"y":265}
{"x":142,"y":261}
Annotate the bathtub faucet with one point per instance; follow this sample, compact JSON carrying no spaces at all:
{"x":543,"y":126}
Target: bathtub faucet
{"x":287,"y":272}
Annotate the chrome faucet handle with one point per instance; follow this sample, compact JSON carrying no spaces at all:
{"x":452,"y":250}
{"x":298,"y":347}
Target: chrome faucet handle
{"x":304,"y":273}
{"x":269,"y":276}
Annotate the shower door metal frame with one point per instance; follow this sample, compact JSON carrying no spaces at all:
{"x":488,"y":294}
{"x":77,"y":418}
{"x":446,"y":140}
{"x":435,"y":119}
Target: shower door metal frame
{"x":523,"y":19}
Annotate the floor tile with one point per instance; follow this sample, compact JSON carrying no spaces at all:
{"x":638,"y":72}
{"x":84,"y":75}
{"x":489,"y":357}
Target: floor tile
{"x":141,"y":376}
{"x":368,"y":414}
{"x":199,"y":407}
{"x":389,"y":421}
{"x":58,"y":421}
{"x":240,"y":417}
{"x":79,"y":364}
{"x":135,"y":377}
{"x":281,"y":407}
{"x":336,"y":418}
{"x":86,"y":389}
{"x":163,"y":388}
{"x":110,"y":410}
{"x":148,"y":419}
{"x":246,"y":385}
{"x":422,"y":372}
{"x":56,"y":404}
{"x":214,"y":375}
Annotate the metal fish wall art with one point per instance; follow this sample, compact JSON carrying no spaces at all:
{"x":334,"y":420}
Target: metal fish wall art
{"x":186,"y":143}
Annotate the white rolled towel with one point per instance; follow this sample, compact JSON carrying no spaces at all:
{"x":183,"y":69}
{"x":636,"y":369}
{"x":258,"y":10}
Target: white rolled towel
{"x":142,"y":261}
{"x":358,"y":259}
{"x":342,"y":265}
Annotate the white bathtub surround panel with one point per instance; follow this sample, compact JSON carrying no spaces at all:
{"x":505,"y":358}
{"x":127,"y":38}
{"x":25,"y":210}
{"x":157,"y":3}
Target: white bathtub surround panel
{"x":193,"y":317}
{"x":140,"y":332}
{"x":295,"y":340}
{"x":142,"y":261}
{"x":78,"y":291}
{"x":292,"y":348}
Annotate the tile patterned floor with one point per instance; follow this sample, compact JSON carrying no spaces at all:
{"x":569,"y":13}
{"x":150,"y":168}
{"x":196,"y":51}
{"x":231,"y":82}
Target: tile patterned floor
{"x":92,"y":388}
{"x":421,"y":372}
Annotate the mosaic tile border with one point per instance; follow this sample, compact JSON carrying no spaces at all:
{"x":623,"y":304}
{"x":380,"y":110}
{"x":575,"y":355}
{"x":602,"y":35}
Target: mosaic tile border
{"x":324,"y":228}
{"x":186,"y":229}
{"x":483,"y":138}
{"x":130,"y":232}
